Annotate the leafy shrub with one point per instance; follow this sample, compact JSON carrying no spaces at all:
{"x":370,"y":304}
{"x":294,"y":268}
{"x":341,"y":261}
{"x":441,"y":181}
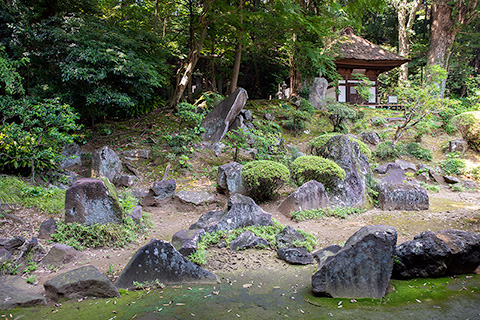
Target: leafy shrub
{"x":453,"y":164}
{"x":430,"y":187}
{"x":316,"y":214}
{"x":468,"y":123}
{"x":323,"y":170}
{"x":416,"y":150}
{"x":379,"y":122}
{"x":385,"y":151}
{"x":340,"y":113}
{"x":263,"y":178}
{"x":317,"y":145}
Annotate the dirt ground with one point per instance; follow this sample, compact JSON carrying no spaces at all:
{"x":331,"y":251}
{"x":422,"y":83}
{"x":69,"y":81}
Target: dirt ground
{"x":448,"y":210}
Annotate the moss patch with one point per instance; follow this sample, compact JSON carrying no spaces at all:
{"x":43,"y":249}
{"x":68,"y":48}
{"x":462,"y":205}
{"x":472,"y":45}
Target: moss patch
{"x":323,"y":170}
{"x":263,"y":178}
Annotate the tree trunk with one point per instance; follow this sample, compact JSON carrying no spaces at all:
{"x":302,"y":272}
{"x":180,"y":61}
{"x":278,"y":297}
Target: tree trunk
{"x":236,"y":68}
{"x":155,"y":17}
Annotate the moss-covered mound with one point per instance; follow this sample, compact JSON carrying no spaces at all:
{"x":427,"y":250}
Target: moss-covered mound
{"x":468,"y":123}
{"x":263,"y":178}
{"x":323,"y":170}
{"x":317,"y":145}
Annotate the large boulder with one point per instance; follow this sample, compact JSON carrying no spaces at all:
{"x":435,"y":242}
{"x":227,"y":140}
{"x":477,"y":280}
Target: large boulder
{"x":229,"y":179}
{"x":159,"y":261}
{"x":310,"y":195}
{"x":92,"y":201}
{"x":81,"y":282}
{"x":344,"y":151}
{"x":241,"y":212}
{"x":185,"y":241}
{"x":436,"y":254}
{"x":247,"y":240}
{"x":318,"y":90}
{"x":15,"y":292}
{"x":402,"y":196}
{"x":218,"y":121}
{"x":106,"y":163}
{"x":362,"y":268}
{"x":163,"y":190}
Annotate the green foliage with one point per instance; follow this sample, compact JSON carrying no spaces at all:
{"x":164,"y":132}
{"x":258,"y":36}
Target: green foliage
{"x":16,"y":191}
{"x":78,"y":235}
{"x":267,"y":145}
{"x":363,"y":148}
{"x":454,"y":164}
{"x":416,"y":150}
{"x":468,"y":123}
{"x":268,"y":233}
{"x":340,"y":114}
{"x":317,"y":214}
{"x":457,"y":187}
{"x":430,"y":187}
{"x":308,"y":168}
{"x":33,"y":134}
{"x":262,"y":178}
{"x":385,"y":151}
{"x":317,"y":145}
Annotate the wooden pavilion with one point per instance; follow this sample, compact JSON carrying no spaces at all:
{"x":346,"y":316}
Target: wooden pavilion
{"x":358,"y":55}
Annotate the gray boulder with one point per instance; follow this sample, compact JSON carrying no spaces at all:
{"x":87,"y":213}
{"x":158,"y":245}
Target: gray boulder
{"x":384,"y":168}
{"x":47,"y":228}
{"x":5,"y":255}
{"x":407,"y":166}
{"x":218,"y":121}
{"x":164,"y":189}
{"x":370,"y":137}
{"x":81,"y":282}
{"x":402,"y":196}
{"x":288,"y":236}
{"x":451,"y":179}
{"x":136,"y":154}
{"x":318,"y":90}
{"x":247,"y":240}
{"x":195,"y":197}
{"x":311,"y":195}
{"x":60,"y":254}
{"x":185,"y":241}
{"x":241,"y":212}
{"x":229,"y":179}
{"x":160,"y":261}
{"x":124,"y":180}
{"x":459,"y":145}
{"x":136,"y":214}
{"x":349,"y":192}
{"x":106,"y":163}
{"x":362,"y":268}
{"x":469,"y":184}
{"x":13,"y":244}
{"x":295,"y":256}
{"x":436,"y":254}
{"x":15,"y":292}
{"x":72,"y":155}
{"x":323,"y":254}
{"x":90,"y":201}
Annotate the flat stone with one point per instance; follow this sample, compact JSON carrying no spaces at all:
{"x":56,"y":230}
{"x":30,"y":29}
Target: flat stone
{"x":15,"y":292}
{"x":295,"y":255}
{"x":138,"y":153}
{"x":405,"y":165}
{"x":60,"y":254}
{"x":451,"y":179}
{"x":195,"y":197}
{"x":402,"y":196}
{"x":159,"y":261}
{"x":81,"y":282}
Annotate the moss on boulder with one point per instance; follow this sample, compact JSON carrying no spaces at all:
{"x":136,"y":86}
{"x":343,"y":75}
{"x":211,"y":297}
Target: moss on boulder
{"x":323,"y":170}
{"x":468,"y":123}
{"x":317,"y":145}
{"x":262,"y":178}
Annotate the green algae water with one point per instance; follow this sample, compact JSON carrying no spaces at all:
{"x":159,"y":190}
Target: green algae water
{"x":274,"y":294}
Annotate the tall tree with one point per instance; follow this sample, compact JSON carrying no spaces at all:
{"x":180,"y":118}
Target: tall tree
{"x":447,"y":19}
{"x":406,"y":12}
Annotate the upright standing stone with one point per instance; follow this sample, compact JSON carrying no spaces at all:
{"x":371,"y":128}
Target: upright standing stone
{"x":218,"y":121}
{"x":106,"y":163}
{"x":362,"y":268}
{"x":318,"y":91}
{"x":229,"y":179}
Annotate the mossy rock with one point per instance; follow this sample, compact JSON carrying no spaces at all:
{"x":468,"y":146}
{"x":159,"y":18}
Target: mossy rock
{"x":263,"y":178}
{"x":317,"y":145}
{"x":468,"y":123}
{"x":323,"y":170}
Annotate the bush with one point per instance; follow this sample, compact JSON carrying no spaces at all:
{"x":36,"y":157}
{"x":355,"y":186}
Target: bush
{"x":308,"y":168}
{"x":317,"y":145}
{"x":263,"y":178}
{"x":416,"y":150}
{"x":453,"y":164}
{"x":468,"y":123}
{"x":340,"y":113}
{"x":385,"y":151}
